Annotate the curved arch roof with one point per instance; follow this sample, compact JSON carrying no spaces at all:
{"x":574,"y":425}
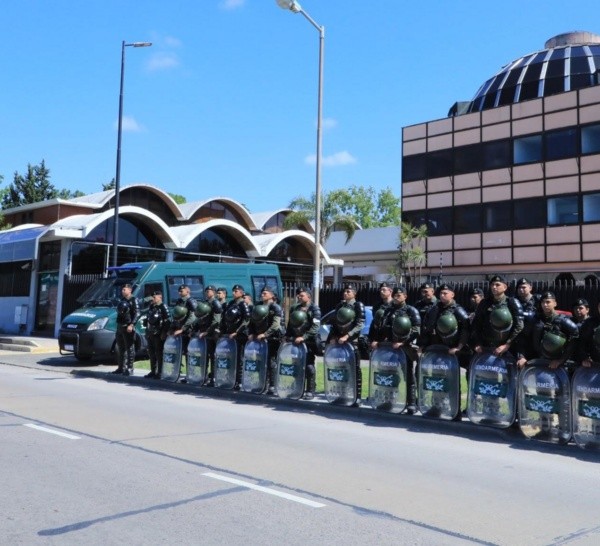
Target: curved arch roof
{"x":568,"y":61}
{"x":267,"y":243}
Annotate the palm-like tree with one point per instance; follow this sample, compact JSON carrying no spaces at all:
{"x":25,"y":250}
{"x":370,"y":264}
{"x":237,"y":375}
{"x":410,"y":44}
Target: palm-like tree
{"x":303,"y":212}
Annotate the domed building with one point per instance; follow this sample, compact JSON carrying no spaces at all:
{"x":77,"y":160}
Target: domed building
{"x":510,"y":181}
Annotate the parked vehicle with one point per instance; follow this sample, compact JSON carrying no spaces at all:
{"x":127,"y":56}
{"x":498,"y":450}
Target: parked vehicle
{"x":90,"y":330}
{"x":363,"y":342}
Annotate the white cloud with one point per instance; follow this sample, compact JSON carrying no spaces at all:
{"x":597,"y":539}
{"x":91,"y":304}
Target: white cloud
{"x":231,"y":4}
{"x":130,"y":125}
{"x":171,"y":41}
{"x":329,"y":123}
{"x":162,"y":60}
{"x":334,"y":160}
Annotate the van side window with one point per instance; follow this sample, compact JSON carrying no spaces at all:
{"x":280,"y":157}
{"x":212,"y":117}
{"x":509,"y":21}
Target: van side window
{"x":195,"y":282}
{"x":259,"y":282}
{"x":145,"y":295}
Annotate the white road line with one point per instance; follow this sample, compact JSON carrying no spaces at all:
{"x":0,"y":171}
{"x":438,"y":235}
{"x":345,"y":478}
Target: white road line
{"x":265,"y":490}
{"x":51,"y":431}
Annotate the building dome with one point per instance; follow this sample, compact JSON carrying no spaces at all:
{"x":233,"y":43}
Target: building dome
{"x":569,"y":61}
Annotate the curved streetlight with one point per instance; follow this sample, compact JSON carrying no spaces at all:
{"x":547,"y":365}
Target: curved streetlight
{"x":119,"y":131}
{"x":295,"y":7}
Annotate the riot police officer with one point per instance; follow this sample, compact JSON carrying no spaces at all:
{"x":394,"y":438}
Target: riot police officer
{"x":347,"y":323}
{"x":222,"y":296}
{"x":185,"y":327}
{"x":554,"y":335}
{"x":498,"y":319}
{"x":403,"y":323}
{"x":588,"y":348}
{"x":581,"y":312}
{"x":427,"y":300}
{"x":234,"y":323}
{"x":303,"y":327}
{"x":157,"y":324}
{"x":446,"y":323}
{"x":524,"y":349}
{"x":377,"y":329}
{"x":207,"y":326}
{"x":128,"y":313}
{"x":266,"y":322}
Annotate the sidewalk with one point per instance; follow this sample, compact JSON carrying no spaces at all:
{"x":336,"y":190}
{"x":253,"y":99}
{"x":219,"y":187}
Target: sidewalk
{"x":27,"y":344}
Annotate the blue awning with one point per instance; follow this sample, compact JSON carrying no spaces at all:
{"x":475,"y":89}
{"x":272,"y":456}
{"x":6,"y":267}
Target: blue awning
{"x":20,"y":244}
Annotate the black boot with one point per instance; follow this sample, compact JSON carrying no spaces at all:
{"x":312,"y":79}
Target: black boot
{"x":311,"y":383}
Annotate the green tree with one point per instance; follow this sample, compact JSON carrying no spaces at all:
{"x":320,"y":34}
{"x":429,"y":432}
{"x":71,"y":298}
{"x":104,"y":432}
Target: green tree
{"x":179,"y":199}
{"x":68,"y":194}
{"x":34,"y":187}
{"x":411,"y":254}
{"x":110,"y":186}
{"x":369,"y":208}
{"x":303,"y":212}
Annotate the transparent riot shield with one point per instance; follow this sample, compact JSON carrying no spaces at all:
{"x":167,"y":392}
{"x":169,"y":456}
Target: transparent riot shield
{"x":225,"y":362}
{"x":545,"y":402}
{"x":340,"y":374}
{"x":492,"y":389}
{"x":291,"y":369}
{"x":254,"y":369}
{"x":387,"y":379}
{"x":196,"y":361}
{"x":171,"y":358}
{"x":439,"y":383}
{"x":586,"y":407}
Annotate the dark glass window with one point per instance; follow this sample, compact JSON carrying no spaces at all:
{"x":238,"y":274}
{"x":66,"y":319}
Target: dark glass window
{"x":529,"y":213}
{"x":527,"y":149}
{"x":496,"y":154}
{"x":507,"y":95}
{"x":533,"y":72}
{"x":529,"y":90}
{"x":563,"y":210}
{"x":591,"y":207}
{"x":579,"y":81}
{"x":489,"y":101}
{"x":561,"y":144}
{"x":580,"y":65}
{"x":590,"y":139}
{"x":552,"y":86}
{"x":467,"y":219}
{"x":415,"y":218}
{"x":414,"y":167}
{"x":555,"y":69}
{"x":497,"y":216}
{"x":467,"y":159}
{"x":439,"y":221}
{"x":49,"y":256}
{"x":439,"y":164}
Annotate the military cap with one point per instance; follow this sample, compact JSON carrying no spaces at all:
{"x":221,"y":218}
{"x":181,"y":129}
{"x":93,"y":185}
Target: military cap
{"x":157,"y":293}
{"x":384,"y":285}
{"x":548,"y":295}
{"x":351,"y":287}
{"x":210,"y":287}
{"x":238,"y":287}
{"x":475,"y":292}
{"x":523,"y":281}
{"x":399,"y":290}
{"x":183,"y":286}
{"x":498,"y":278}
{"x":445,"y":286}
{"x":303,"y":289}
{"x":425,"y":285}
{"x":581,"y":301}
{"x":267,"y":289}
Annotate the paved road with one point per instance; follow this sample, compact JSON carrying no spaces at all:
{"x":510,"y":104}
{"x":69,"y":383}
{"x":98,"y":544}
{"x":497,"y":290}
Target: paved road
{"x":90,"y":460}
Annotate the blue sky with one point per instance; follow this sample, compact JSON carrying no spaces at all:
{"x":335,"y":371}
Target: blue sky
{"x":224,"y":103}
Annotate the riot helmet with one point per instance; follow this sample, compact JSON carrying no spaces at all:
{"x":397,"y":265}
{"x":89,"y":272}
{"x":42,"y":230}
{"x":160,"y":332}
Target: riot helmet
{"x":259,"y":313}
{"x":501,"y":319}
{"x":298,"y":318}
{"x":344,"y":316}
{"x":123,"y":307}
{"x":446,"y":325}
{"x":179,"y":312}
{"x":202,"y":310}
{"x":401,"y":326}
{"x":553,"y":344}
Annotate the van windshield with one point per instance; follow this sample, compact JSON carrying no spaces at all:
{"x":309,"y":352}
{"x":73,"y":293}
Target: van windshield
{"x":103,"y":293}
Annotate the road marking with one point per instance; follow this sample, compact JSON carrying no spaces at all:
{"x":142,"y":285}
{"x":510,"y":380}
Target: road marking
{"x":249,"y":485}
{"x":51,"y":431}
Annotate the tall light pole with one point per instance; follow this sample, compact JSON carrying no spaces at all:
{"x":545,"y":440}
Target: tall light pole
{"x":295,"y":7}
{"x":119,"y":131}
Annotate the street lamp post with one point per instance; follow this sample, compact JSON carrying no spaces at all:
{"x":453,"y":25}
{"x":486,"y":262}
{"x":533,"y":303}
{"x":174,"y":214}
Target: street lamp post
{"x":119,"y":131}
{"x":295,"y":7}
